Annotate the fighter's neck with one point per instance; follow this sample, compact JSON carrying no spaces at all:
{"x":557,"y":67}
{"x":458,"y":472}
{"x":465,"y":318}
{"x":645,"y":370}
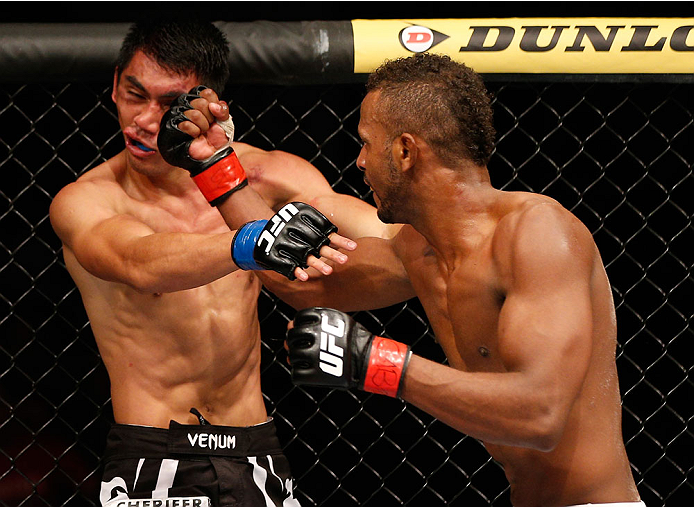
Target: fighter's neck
{"x":456,"y":219}
{"x":155,"y":184}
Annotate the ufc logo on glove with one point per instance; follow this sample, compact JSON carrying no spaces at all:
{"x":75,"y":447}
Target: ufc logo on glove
{"x":331,"y":353}
{"x":284,"y":242}
{"x":278,"y":222}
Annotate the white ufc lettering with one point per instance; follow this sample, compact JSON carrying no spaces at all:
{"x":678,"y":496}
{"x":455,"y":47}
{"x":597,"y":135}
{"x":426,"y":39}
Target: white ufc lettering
{"x":278,"y":222}
{"x":331,"y":354}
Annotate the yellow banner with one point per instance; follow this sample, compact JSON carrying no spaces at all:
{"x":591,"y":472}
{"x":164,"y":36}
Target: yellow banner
{"x":534,"y":45}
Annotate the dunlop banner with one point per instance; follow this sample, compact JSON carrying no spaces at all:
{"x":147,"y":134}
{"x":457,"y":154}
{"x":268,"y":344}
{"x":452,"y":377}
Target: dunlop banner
{"x":534,"y":45}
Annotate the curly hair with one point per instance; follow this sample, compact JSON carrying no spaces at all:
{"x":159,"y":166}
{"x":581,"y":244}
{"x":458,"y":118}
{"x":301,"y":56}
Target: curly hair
{"x":184,"y":47}
{"x":443,"y":101}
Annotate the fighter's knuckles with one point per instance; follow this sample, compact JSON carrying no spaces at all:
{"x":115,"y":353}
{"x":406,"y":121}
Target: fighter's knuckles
{"x":301,"y":340}
{"x":220,"y":110}
{"x":199,"y":118}
{"x":190,"y":128}
{"x":209,"y":94}
{"x":307,"y":317}
{"x":202,"y":106}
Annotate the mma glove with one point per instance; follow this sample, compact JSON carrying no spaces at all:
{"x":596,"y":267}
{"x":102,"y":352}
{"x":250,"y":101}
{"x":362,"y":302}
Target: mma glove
{"x":328,"y":348}
{"x":284,"y":242}
{"x":218,"y":176}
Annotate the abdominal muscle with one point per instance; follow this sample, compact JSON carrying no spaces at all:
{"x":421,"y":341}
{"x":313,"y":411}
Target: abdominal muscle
{"x":165,"y":354}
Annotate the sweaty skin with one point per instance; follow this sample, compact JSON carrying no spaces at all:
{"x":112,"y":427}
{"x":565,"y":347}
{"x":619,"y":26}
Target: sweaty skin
{"x":167,"y":350}
{"x":517,"y":295}
{"x":550,"y":413}
{"x":175,"y":321}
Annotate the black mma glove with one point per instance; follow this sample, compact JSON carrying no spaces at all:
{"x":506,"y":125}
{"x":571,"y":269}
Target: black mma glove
{"x":284,"y":242}
{"x":328,"y":348}
{"x":218,"y":176}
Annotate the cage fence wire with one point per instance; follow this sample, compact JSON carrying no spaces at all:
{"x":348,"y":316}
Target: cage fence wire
{"x":618,"y":155}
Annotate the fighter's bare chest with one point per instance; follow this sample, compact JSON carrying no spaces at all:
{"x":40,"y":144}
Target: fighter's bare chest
{"x":174,"y":214}
{"x":462,"y":306}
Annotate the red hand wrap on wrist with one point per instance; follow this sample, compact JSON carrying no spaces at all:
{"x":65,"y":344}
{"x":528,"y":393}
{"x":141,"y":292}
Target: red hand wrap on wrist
{"x":220,"y":177}
{"x":387,"y":362}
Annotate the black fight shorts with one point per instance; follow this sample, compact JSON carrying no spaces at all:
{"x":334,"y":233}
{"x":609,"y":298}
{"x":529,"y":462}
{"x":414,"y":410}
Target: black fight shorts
{"x":230,"y":466}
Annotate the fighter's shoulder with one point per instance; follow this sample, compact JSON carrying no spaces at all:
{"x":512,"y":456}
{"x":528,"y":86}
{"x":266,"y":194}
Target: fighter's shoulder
{"x":96,"y":188}
{"x":104,"y":176}
{"x":537,"y":224}
{"x":533,"y":212}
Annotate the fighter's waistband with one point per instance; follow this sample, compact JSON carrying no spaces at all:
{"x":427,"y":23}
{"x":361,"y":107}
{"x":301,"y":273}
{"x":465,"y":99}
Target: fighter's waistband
{"x":126,"y":441}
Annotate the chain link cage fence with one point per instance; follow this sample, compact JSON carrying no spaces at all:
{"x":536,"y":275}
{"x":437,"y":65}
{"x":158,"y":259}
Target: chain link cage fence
{"x":619,"y":155}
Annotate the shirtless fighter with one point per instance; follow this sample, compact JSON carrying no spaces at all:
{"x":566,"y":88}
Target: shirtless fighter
{"x":174,"y":318}
{"x":512,"y":283}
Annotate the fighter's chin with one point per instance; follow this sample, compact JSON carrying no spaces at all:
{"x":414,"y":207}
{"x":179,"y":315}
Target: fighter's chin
{"x":149,"y":166}
{"x":385,"y":215}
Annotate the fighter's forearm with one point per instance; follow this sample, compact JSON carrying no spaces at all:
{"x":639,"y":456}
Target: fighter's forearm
{"x":497,"y":408}
{"x":340,"y":290}
{"x":371,"y":278}
{"x":243,"y":206}
{"x":170,"y":262}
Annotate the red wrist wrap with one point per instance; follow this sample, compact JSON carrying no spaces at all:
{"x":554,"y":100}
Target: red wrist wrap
{"x":220,"y":177}
{"x":387,"y":362}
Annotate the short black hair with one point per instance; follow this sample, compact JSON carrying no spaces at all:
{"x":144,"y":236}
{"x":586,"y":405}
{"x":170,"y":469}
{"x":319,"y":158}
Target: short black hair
{"x":439,"y":99}
{"x":181,"y":46}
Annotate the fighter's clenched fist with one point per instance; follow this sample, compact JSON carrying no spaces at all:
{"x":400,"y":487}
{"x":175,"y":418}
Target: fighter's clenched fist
{"x":218,"y":175}
{"x":330,"y":349}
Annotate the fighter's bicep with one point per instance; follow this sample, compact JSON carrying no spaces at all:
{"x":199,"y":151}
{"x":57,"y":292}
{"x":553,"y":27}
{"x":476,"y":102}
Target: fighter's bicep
{"x":354,"y":218}
{"x":373,"y":277}
{"x":546,"y":333}
{"x":104,"y":249}
{"x":280,"y":177}
{"x":545,"y":323}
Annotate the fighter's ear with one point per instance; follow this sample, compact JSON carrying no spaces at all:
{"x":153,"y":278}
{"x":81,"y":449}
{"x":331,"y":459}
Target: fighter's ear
{"x":405,"y":151}
{"x":115,"y":84}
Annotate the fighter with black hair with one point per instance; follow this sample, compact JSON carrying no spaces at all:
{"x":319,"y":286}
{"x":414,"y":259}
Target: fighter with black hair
{"x":171,"y":289}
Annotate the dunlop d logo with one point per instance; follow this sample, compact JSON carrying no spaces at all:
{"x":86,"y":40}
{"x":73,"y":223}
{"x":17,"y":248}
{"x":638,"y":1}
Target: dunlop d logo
{"x":418,"y":39}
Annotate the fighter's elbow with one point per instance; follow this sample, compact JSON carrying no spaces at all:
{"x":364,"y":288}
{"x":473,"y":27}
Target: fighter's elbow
{"x":140,"y":277}
{"x":317,"y":201}
{"x":143,"y":283}
{"x":547,"y":429}
{"x":545,"y":441}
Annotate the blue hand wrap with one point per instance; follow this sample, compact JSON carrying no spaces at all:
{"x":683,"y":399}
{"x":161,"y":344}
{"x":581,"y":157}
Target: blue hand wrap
{"x":244,"y":243}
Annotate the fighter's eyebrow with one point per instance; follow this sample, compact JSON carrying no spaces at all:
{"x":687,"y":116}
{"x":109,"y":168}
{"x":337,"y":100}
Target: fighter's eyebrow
{"x":134,"y":81}
{"x":168,"y":95}
{"x":361,"y":133}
